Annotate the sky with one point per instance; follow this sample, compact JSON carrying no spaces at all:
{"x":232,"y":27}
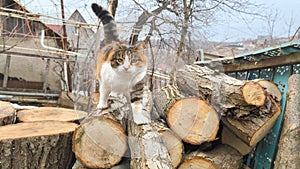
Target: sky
{"x":226,"y":29}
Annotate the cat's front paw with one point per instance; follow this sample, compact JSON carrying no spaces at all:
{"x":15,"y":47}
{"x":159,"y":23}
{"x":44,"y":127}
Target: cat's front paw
{"x":102,"y":106}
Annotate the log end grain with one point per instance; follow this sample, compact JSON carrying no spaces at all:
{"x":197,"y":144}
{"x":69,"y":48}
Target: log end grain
{"x":50,"y":113}
{"x":174,"y":146}
{"x":253,"y":93}
{"x":33,"y":129}
{"x":271,"y":88}
{"x":221,"y":156}
{"x":193,"y":120}
{"x":198,"y":163}
{"x":99,"y":143}
{"x":7,"y":113}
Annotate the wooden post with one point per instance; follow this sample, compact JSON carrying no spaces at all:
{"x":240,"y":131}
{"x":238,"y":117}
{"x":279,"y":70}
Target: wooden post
{"x":6,"y":70}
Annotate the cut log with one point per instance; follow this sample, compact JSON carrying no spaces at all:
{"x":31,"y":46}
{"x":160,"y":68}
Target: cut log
{"x":229,"y":138}
{"x":271,"y":88}
{"x":254,"y":128}
{"x":223,"y":92}
{"x":147,"y":147}
{"x":288,"y":156}
{"x":174,"y":144}
{"x":221,"y":157}
{"x":46,"y":144}
{"x":7,"y":113}
{"x":191,"y":118}
{"x":50,"y":113}
{"x":101,"y":141}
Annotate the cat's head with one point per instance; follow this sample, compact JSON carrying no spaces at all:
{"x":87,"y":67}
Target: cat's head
{"x":126,"y":59}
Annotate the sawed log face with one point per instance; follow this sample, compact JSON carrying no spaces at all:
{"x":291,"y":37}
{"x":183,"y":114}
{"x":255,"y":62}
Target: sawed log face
{"x":191,"y":118}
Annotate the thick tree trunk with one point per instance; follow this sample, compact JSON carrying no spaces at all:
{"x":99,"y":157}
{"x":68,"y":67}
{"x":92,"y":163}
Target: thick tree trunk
{"x":50,"y":113}
{"x":288,"y":156}
{"x":252,"y":129}
{"x":191,"y":118}
{"x":101,"y":141}
{"x":7,"y":113}
{"x":221,"y":157}
{"x":46,"y":144}
{"x":223,"y":92}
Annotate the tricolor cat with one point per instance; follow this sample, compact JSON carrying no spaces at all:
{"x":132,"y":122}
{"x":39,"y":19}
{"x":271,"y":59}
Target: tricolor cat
{"x":119,"y":66}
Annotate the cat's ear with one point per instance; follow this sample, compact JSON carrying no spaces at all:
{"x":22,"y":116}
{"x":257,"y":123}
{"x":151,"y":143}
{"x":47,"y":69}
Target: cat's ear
{"x":140,"y":46}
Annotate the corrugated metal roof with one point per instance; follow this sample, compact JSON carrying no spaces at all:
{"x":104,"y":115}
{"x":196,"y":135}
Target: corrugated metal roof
{"x":278,"y":50}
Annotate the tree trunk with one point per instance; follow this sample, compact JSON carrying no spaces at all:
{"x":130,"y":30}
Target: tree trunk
{"x":223,"y":92}
{"x":101,"y":141}
{"x":288,"y":156}
{"x":229,"y":138}
{"x":7,"y":113}
{"x":46,"y":144}
{"x":147,"y":147}
{"x":191,"y":118}
{"x":50,"y":113}
{"x":221,"y":157}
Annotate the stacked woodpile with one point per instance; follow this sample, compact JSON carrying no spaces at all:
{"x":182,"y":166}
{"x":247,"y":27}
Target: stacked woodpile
{"x":206,"y":120}
{"x":37,"y":138}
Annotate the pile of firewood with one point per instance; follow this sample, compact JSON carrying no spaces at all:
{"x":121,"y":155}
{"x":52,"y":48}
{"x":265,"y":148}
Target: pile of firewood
{"x":205,"y":120}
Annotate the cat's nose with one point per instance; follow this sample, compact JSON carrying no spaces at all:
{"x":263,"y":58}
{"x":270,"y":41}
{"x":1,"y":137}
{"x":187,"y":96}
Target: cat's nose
{"x":126,"y":68}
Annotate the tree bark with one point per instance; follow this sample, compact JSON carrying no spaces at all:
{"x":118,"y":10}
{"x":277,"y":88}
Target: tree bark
{"x":223,"y":92}
{"x":50,"y":113}
{"x":7,"y":113}
{"x":101,"y":141}
{"x":147,"y":147}
{"x":221,"y":157}
{"x":191,"y":118}
{"x":288,"y":156}
{"x":46,"y":144}
{"x":173,"y":143}
{"x":252,"y":129}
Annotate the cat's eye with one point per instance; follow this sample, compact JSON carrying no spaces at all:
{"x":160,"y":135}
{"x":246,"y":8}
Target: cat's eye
{"x":119,"y":60}
{"x":135,"y":59}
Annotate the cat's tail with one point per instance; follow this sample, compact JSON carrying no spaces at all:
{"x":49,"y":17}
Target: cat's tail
{"x":110,"y":28}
